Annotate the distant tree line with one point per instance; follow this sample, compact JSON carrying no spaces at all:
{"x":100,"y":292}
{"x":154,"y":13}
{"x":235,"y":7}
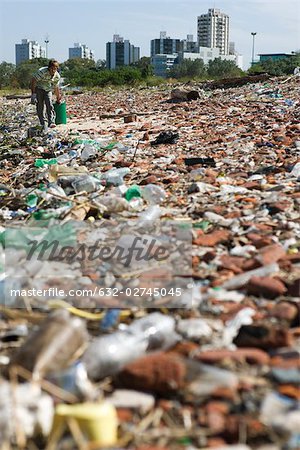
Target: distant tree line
{"x":279,"y":67}
{"x":87,"y":73}
{"x":76,"y":72}
{"x":216,"y":68}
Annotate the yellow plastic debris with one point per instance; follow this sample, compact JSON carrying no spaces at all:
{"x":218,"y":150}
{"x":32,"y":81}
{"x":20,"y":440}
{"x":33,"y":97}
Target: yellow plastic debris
{"x":98,"y":422}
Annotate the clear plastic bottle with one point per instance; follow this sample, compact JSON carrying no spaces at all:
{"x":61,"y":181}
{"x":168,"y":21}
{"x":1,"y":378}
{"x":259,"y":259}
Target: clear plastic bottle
{"x":87,"y":152}
{"x":108,"y":354}
{"x":54,"y":189}
{"x":74,"y":379}
{"x":153,"y":194}
{"x":115,"y":176}
{"x":120,"y":191}
{"x":63,"y":159}
{"x":86,"y":184}
{"x":73,"y":153}
{"x":149,"y":216}
{"x":121,"y":147}
{"x":240,"y":280}
{"x":112,"y":203}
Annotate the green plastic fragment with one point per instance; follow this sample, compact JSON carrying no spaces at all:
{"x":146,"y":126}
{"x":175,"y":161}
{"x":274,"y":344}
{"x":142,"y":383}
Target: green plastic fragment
{"x":94,"y":143}
{"x":31,"y":200}
{"x":133,"y":192}
{"x":203,"y":225}
{"x":43,"y":214}
{"x":109,"y":146}
{"x":44,"y":162}
{"x":185,"y":440}
{"x":87,"y":142}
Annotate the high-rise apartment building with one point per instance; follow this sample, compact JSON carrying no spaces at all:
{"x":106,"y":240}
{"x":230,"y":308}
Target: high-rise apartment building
{"x":164,"y":45}
{"x":213,"y":30}
{"x":29,"y":50}
{"x":121,"y":53}
{"x":80,"y":51}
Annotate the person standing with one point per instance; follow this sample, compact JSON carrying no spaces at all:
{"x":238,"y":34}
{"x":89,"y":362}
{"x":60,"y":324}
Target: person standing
{"x":43,"y":82}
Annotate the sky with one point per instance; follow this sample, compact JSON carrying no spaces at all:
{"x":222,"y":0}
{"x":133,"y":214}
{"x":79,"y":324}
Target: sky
{"x":93,"y":22}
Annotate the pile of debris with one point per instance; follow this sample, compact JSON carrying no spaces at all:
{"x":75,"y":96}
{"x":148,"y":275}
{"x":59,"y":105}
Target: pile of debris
{"x":150,"y":270}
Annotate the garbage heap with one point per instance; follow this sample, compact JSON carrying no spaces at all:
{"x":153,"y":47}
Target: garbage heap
{"x":150,"y":270}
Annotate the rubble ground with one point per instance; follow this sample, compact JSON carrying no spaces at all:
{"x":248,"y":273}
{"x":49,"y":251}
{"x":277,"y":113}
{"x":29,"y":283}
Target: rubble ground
{"x":214,"y":177}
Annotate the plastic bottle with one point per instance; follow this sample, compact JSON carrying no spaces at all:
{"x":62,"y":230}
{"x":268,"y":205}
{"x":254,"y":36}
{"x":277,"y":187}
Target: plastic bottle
{"x":108,"y":354}
{"x":87,"y":152}
{"x":73,"y":153}
{"x":205,"y":379}
{"x":120,"y":191}
{"x":149,"y":216}
{"x":153,"y":194}
{"x":115,"y":176}
{"x":53,"y":345}
{"x":74,"y":379}
{"x":112,"y":203}
{"x":63,"y":159}
{"x":54,"y":189}
{"x":86,"y":184}
{"x":17,"y":237}
{"x":120,"y":147}
{"x":240,"y":280}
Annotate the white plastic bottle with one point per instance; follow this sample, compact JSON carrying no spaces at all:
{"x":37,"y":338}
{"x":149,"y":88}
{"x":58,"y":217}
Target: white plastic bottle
{"x":115,"y":176}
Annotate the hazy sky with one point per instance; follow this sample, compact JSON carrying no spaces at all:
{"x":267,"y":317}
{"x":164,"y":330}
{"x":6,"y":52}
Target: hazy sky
{"x":277,"y":23}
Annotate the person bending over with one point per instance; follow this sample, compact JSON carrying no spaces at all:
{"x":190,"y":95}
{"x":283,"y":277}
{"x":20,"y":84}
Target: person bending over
{"x":43,"y":82}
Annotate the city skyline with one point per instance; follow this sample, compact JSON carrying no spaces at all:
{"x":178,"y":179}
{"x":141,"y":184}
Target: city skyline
{"x":95,"y":22}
